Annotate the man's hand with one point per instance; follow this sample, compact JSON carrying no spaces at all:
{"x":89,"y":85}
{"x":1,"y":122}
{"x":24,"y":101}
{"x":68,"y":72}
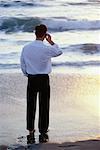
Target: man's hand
{"x":48,"y":38}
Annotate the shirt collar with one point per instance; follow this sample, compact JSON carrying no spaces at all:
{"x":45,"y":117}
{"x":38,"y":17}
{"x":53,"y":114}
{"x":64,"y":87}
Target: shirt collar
{"x":38,"y":41}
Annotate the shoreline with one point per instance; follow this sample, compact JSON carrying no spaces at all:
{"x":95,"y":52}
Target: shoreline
{"x":93,"y":144}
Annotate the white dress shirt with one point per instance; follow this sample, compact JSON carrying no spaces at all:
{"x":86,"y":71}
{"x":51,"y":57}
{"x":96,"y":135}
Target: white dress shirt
{"x":36,"y":57}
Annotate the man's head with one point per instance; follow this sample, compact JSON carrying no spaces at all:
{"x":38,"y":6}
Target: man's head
{"x":40,"y":31}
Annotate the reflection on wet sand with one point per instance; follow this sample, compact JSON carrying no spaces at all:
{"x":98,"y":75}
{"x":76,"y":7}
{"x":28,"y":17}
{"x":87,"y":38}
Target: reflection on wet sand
{"x":74,"y":110}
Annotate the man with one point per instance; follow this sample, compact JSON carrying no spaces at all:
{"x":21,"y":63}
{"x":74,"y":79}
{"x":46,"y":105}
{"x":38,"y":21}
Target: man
{"x":36,"y":65}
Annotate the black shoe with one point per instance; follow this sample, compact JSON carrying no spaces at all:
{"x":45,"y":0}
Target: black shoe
{"x":43,"y":131}
{"x":43,"y":138}
{"x":30,"y":138}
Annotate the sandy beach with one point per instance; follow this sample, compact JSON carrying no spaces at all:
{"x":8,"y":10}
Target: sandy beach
{"x":74,"y":112}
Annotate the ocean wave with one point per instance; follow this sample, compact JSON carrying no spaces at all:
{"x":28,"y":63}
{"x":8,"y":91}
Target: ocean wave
{"x":31,"y":3}
{"x":10,"y":55}
{"x":27,"y":24}
{"x":20,"y":3}
{"x":68,"y":24}
{"x":9,"y":66}
{"x":76,"y":64}
{"x":87,"y":48}
{"x":11,"y":60}
{"x":90,"y":2}
{"x":90,"y":48}
{"x":77,"y":4}
{"x":94,"y":1}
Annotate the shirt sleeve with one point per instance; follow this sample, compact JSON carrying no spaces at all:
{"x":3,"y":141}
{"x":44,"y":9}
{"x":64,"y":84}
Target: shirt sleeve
{"x":54,"y":50}
{"x":23,"y":66}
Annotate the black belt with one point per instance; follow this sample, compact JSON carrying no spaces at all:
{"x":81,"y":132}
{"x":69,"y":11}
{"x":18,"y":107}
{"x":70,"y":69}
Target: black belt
{"x":38,"y":75}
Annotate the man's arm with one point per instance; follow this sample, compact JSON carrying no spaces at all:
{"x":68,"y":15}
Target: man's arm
{"x":54,"y":49}
{"x":48,"y":38}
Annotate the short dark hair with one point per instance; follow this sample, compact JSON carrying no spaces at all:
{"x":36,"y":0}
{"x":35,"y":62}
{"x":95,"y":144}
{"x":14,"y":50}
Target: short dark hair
{"x":40,"y":30}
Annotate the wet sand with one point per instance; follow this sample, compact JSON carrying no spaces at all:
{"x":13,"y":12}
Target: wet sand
{"x":74,"y":112}
{"x":79,"y":145}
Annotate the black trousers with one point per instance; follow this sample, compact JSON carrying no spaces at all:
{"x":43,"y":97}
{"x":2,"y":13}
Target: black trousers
{"x":38,"y":84}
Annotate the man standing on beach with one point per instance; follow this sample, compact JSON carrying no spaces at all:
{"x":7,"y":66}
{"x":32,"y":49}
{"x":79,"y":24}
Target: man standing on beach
{"x":36,"y":65}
